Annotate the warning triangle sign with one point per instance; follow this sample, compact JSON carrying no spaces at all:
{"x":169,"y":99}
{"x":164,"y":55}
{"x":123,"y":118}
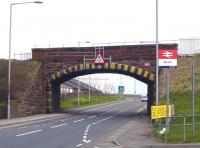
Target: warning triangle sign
{"x":99,"y":59}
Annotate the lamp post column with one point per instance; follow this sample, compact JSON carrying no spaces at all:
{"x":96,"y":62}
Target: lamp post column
{"x":10,"y":43}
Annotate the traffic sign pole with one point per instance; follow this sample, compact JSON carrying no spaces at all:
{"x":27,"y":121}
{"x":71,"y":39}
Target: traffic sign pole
{"x":167,"y":103}
{"x":193,"y":125}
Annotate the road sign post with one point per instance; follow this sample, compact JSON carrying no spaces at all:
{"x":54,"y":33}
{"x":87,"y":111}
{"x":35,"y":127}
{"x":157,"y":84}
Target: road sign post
{"x":167,"y":59}
{"x":167,"y":103}
{"x":193,"y":125}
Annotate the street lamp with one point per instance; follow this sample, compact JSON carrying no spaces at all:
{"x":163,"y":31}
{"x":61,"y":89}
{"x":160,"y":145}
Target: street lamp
{"x":9,"y":65}
{"x":157,"y":67}
{"x":79,"y":44}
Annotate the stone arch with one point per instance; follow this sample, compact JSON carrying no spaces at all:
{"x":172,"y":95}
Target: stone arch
{"x":57,"y":78}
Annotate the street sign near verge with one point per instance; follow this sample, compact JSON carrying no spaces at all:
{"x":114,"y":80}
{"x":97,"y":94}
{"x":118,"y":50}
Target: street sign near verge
{"x":160,"y":111}
{"x":99,"y":59}
{"x":167,"y":58}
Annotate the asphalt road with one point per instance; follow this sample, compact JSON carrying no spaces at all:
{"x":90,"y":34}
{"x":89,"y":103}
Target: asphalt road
{"x":76,"y":129}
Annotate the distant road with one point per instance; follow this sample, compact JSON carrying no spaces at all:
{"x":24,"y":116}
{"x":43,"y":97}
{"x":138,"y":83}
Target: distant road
{"x":78,"y":129}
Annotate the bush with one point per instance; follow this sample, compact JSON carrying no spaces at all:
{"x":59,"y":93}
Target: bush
{"x":3,"y":110}
{"x":81,"y":101}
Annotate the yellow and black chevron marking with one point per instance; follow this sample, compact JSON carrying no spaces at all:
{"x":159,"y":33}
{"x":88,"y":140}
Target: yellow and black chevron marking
{"x":107,"y":66}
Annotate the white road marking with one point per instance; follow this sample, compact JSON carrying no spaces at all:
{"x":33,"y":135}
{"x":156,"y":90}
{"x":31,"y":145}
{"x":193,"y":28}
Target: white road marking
{"x":102,"y":114}
{"x":79,"y":145}
{"x":29,"y":133}
{"x":78,"y":120}
{"x":33,"y":121}
{"x":105,"y":106}
{"x":59,"y":125}
{"x":87,"y":128}
{"x":92,"y":117}
{"x":142,"y":109}
{"x":87,"y":141}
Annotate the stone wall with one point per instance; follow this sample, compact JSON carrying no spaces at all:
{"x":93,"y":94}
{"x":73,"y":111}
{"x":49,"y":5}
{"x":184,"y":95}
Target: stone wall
{"x":31,"y":100}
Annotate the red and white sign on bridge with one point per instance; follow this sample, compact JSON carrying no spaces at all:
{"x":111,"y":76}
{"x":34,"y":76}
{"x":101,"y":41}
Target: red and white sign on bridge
{"x":167,"y":58}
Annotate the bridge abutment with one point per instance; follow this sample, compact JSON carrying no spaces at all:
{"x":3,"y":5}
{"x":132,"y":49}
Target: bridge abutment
{"x":151,"y":96}
{"x":56,"y":97}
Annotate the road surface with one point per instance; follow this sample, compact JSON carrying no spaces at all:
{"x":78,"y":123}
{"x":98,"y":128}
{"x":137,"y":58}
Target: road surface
{"x":78,"y":129}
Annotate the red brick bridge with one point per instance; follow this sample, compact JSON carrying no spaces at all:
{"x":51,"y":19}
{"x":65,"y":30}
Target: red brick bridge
{"x":61,"y":64}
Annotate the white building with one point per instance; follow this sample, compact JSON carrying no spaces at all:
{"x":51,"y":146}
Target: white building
{"x":189,"y":46}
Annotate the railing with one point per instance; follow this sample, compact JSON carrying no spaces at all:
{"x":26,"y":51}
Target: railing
{"x":23,"y":56}
{"x":180,"y":129}
{"x":134,"y":43}
{"x":110,"y":44}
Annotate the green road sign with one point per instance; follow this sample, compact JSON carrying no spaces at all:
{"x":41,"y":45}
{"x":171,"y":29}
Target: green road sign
{"x":120,"y":89}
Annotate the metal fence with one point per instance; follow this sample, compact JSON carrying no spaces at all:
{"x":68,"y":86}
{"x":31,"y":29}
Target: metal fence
{"x":23,"y":56}
{"x":179,"y":129}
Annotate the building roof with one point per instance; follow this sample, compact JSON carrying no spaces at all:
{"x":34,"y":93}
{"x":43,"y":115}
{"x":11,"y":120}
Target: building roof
{"x":82,"y":86}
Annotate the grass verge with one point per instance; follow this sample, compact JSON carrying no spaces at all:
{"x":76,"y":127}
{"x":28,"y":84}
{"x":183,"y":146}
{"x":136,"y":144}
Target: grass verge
{"x":68,"y":103}
{"x":183,"y":106}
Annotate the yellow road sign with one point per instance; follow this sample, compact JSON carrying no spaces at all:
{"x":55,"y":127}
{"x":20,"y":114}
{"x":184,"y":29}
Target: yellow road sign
{"x":160,"y":111}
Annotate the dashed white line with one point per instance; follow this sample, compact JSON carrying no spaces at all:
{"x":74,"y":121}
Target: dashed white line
{"x":102,"y":114}
{"x":78,"y":120}
{"x":142,"y":109}
{"x":29,"y":133}
{"x":59,"y":125}
{"x":78,"y":145}
{"x":92,"y":117}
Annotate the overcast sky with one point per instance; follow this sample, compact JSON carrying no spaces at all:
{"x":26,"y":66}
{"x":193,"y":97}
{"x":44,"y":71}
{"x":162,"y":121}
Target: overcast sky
{"x":58,"y":23}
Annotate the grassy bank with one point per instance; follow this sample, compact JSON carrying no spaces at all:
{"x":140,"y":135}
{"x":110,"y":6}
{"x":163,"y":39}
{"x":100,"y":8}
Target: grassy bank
{"x":68,"y":103}
{"x":183,"y":107}
{"x":181,"y":97}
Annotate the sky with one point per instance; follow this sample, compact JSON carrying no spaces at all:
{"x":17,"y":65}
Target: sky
{"x":58,"y":23}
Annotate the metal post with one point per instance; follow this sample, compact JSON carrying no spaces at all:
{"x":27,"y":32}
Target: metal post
{"x":157,"y":94}
{"x":159,"y":120}
{"x":135,"y":86}
{"x":89,"y":88}
{"x":9,"y":62}
{"x":78,"y":95}
{"x":193,"y":108}
{"x":184,"y":129}
{"x":167,"y":103}
{"x":167,"y":98}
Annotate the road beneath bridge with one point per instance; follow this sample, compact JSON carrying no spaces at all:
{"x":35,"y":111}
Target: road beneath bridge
{"x":76,"y":129}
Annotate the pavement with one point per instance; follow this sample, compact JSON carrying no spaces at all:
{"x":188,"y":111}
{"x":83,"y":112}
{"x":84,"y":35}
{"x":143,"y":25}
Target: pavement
{"x":134,"y":134}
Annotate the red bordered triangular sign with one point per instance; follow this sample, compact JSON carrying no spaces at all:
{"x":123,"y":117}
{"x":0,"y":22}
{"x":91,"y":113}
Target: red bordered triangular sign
{"x":99,"y":59}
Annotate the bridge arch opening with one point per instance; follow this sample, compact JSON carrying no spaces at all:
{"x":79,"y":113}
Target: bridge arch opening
{"x":56,"y":79}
